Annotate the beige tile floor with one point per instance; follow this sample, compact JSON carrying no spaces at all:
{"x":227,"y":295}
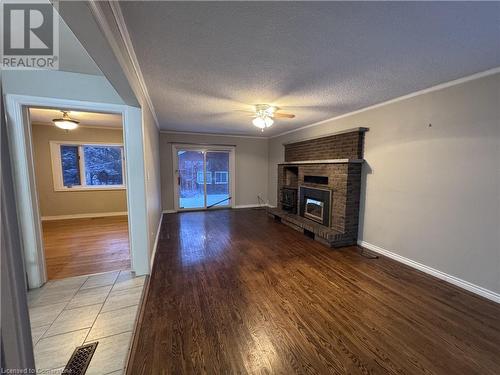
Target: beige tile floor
{"x":67,"y":313}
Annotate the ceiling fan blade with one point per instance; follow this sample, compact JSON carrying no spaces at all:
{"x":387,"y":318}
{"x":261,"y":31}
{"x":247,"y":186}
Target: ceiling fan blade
{"x":283,"y":115}
{"x":244,"y":111}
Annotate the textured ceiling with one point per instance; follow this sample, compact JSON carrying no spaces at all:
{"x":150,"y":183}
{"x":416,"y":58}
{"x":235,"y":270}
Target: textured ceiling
{"x":204,"y":62}
{"x":45,"y":116}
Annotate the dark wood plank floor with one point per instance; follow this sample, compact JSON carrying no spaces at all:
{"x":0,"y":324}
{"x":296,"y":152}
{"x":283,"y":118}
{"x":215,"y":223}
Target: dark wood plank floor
{"x":85,"y":246}
{"x":233,"y":292}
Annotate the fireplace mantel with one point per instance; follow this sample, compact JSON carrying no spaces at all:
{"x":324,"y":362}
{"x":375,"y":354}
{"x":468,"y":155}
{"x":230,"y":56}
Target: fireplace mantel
{"x":327,"y":161}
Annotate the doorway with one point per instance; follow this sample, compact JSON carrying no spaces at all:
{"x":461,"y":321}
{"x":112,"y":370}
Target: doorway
{"x":64,"y":313}
{"x":203,"y":177}
{"x":20,"y":140}
{"x":80,"y":184}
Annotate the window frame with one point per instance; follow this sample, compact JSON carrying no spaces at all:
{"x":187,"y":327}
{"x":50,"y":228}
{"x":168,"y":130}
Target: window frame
{"x":224,"y":173}
{"x":56,"y":163}
{"x":208,"y":176}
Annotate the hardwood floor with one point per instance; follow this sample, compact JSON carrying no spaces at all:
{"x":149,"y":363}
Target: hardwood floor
{"x":233,"y":292}
{"x":85,"y":246}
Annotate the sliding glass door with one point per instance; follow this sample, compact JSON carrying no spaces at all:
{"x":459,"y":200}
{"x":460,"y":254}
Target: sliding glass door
{"x":204,"y":178}
{"x":191,"y":179}
{"x":217,"y":178}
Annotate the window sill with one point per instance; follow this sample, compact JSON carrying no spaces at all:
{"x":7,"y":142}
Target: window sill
{"x":86,"y":188}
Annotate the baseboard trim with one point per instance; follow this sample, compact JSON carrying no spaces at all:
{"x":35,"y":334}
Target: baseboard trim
{"x":249,"y":205}
{"x":155,"y":246}
{"x":255,"y":205}
{"x":476,"y":289}
{"x":83,"y":216}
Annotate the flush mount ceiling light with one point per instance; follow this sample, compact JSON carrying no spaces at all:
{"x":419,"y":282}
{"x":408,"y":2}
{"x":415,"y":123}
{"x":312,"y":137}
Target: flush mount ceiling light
{"x":264,"y":115}
{"x":66,"y":122}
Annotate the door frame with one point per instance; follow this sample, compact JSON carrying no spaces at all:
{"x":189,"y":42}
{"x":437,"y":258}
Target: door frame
{"x":203,"y":148}
{"x":20,"y":142}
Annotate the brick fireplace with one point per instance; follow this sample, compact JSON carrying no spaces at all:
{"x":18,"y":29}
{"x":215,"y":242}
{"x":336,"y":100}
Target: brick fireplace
{"x":319,"y":187}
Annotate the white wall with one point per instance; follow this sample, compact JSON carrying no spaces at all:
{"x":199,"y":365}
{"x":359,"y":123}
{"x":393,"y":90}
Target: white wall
{"x":430,"y":194}
{"x":251,"y":163}
{"x":58,"y":84}
{"x":82,"y":22}
{"x":17,"y":346}
{"x":152,"y":165}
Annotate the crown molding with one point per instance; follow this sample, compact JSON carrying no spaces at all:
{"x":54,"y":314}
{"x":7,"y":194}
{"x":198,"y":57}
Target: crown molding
{"x":122,"y":48}
{"x":398,"y":99}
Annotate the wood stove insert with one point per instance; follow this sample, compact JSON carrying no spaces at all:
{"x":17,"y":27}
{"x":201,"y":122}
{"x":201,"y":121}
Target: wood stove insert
{"x":314,"y":204}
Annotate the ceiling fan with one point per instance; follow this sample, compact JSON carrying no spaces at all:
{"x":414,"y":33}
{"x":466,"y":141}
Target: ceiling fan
{"x":264,"y":115}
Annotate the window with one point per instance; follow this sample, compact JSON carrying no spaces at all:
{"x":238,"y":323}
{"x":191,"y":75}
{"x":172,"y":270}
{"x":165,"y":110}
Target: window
{"x":70,"y":165}
{"x":87,"y":166}
{"x":103,"y":165}
{"x":199,"y":177}
{"x":221,"y":177}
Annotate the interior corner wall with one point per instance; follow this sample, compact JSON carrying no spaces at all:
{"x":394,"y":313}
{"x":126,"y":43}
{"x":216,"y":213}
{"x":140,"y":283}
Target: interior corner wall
{"x":251,"y":165}
{"x":431,"y":180}
{"x":62,"y":203}
{"x":152,"y":169}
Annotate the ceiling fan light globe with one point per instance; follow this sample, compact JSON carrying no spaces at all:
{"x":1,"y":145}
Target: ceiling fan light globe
{"x":268,"y":121}
{"x":259,"y":122}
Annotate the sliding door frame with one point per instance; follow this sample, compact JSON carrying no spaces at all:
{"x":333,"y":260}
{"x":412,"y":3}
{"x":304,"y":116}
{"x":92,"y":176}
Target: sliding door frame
{"x":203,"y":148}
